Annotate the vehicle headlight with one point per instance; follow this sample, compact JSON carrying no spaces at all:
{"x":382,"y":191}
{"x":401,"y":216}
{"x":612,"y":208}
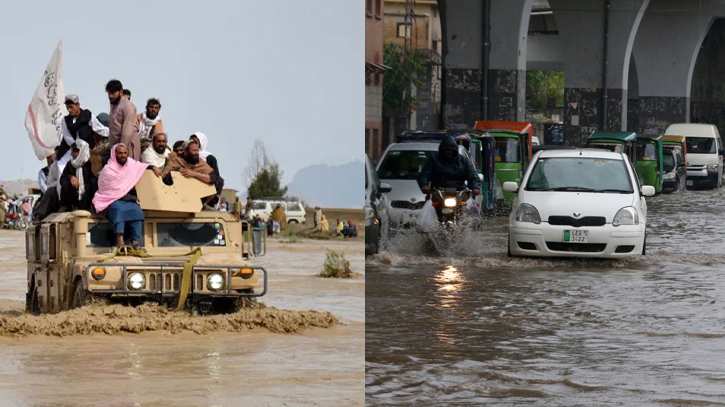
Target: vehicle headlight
{"x":450,"y":202}
{"x":368,"y":212}
{"x":712,"y":168}
{"x":136,"y":281}
{"x":215,"y":281}
{"x":669,"y":175}
{"x":626,"y":216}
{"x":527,"y":213}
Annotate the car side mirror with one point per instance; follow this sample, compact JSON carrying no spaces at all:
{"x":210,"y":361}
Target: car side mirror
{"x":648,"y":190}
{"x":681,"y":165}
{"x":721,"y":151}
{"x":385,"y":188}
{"x":510,"y":186}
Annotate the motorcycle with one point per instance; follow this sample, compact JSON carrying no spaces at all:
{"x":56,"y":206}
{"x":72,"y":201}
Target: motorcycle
{"x":17,"y":216}
{"x":455,"y":212}
{"x":449,"y":205}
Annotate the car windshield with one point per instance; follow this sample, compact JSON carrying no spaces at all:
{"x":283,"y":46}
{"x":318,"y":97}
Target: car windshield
{"x":580,"y":174}
{"x":173,"y":234}
{"x":617,"y":148}
{"x":668,"y":161}
{"x":700,"y":145}
{"x":403,"y":164}
{"x":507,"y":150}
{"x":646,"y":151}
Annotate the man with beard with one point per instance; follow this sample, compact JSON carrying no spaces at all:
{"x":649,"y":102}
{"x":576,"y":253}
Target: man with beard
{"x":157,"y":154}
{"x":149,"y":122}
{"x":117,"y":195}
{"x":191,"y":166}
{"x":77,"y":183}
{"x":79,"y":124}
{"x":122,"y":122}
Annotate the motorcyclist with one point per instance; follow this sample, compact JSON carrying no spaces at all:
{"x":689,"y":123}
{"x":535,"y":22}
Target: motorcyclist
{"x":448,"y":169}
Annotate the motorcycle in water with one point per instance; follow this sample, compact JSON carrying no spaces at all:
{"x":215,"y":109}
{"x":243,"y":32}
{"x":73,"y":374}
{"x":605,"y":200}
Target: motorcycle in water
{"x":451,"y":210}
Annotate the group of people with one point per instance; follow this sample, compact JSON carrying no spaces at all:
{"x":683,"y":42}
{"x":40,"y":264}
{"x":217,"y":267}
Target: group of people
{"x":86,"y":172}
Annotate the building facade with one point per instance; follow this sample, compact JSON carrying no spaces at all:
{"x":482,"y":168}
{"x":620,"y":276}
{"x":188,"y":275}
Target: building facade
{"x":374,"y":70}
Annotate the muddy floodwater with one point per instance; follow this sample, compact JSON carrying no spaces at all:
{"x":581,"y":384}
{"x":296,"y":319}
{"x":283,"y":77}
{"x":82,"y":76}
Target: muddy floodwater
{"x":234,"y":360}
{"x":477,"y":328}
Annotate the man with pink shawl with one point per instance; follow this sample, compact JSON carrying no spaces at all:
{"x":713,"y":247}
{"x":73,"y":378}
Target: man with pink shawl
{"x":117,"y":194}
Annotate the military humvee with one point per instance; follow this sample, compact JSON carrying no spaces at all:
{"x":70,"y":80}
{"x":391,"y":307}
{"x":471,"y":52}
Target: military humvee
{"x":71,"y":259}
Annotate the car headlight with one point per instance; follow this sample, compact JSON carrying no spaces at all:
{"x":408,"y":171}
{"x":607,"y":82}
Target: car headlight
{"x":368,"y":212}
{"x":712,"y":168}
{"x":215,"y":281}
{"x":669,"y":175}
{"x":136,"y":281}
{"x":450,"y":202}
{"x":527,"y":213}
{"x":626,"y":216}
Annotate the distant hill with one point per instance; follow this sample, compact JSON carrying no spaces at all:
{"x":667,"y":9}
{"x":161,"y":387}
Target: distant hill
{"x":341,"y":186}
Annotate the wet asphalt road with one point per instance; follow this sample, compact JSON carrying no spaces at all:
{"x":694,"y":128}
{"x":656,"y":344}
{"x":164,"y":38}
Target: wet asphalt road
{"x":475,"y":327}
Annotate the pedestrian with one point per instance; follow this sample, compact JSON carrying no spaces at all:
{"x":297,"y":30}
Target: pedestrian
{"x":325,"y":225}
{"x":237,"y":208}
{"x":158,"y":154}
{"x":339,"y":228}
{"x":149,"y":122}
{"x":280,"y":218}
{"x":77,"y":183}
{"x":78,"y":124}
{"x":123,"y":128}
{"x":352,"y":228}
{"x":248,"y":208}
{"x":179,"y":148}
{"x":270,"y":226}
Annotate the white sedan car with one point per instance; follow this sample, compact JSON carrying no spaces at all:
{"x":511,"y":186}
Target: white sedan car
{"x":578,"y":203}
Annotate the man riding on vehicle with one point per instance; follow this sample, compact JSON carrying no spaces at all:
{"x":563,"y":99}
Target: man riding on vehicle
{"x":448,"y":169}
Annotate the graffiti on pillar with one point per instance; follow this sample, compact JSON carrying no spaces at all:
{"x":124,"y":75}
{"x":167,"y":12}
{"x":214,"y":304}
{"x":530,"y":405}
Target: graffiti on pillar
{"x":589,"y":107}
{"x":505,"y":102}
{"x":506,"y":81}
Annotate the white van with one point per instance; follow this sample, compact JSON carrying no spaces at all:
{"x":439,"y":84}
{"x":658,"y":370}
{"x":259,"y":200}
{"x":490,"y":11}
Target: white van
{"x":704,"y":153}
{"x":294,"y":209}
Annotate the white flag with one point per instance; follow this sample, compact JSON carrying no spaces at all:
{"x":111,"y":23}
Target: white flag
{"x":47,"y":109}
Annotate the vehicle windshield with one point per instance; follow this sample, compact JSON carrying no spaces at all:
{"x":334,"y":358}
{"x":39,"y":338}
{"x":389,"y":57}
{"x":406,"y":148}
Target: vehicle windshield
{"x":403,"y":164}
{"x":617,"y":148}
{"x":646,"y":151}
{"x":507,"y":150}
{"x":174,"y":234}
{"x":580,"y":174}
{"x":668,"y":161}
{"x":700,"y":145}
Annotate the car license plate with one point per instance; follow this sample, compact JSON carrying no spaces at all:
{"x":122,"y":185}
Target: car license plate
{"x":576,"y":236}
{"x":689,"y":183}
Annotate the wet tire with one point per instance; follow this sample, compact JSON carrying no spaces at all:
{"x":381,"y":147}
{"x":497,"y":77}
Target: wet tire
{"x":508,"y":247}
{"x":292,"y":222}
{"x":32,"y":302}
{"x":79,"y":298}
{"x":232,"y":305}
{"x":644,"y":245}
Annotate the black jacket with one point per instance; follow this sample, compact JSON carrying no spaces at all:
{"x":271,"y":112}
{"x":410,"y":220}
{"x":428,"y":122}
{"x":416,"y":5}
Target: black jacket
{"x":439,"y":172}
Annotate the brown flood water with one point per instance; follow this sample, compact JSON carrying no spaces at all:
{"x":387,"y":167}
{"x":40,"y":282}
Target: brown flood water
{"x":115,"y":356}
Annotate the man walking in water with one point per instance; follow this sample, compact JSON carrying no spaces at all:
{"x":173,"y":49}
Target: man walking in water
{"x":122,"y":122}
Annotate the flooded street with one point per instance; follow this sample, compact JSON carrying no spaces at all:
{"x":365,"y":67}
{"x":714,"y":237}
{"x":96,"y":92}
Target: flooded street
{"x":479,"y":328}
{"x":224,"y":365}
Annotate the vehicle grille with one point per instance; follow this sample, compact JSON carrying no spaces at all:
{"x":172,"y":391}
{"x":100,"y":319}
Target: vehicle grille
{"x":576,"y":247}
{"x":585,"y":221}
{"x":407,"y":205}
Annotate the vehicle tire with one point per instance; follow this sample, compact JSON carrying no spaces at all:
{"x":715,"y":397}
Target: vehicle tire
{"x":22,"y":224}
{"x":32,"y":302}
{"x":292,"y":222}
{"x":232,"y":305}
{"x":508,"y":246}
{"x":79,"y":297}
{"x":644,"y":245}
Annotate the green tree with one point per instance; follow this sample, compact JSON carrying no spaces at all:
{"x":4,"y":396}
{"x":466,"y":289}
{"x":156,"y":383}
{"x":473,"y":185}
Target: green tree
{"x":397,"y":100}
{"x":262,"y":174}
{"x":544,"y":90}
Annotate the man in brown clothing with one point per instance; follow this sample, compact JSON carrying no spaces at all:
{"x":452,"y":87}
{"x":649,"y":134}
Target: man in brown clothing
{"x":122,"y":122}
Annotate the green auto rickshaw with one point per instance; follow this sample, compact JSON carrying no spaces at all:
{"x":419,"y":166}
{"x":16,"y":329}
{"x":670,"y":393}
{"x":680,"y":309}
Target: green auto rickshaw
{"x":649,"y":160}
{"x":617,"y":141}
{"x":513,"y":151}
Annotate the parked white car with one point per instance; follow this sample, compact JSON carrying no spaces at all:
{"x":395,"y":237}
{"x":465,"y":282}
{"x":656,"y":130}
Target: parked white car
{"x":294,"y":210}
{"x":578,"y":203}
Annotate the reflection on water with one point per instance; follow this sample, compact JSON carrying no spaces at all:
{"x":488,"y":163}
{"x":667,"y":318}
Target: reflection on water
{"x":478,"y":328}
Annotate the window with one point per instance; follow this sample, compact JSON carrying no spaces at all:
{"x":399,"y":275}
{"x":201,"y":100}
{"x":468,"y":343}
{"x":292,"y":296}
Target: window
{"x":507,"y":150}
{"x":294,"y":207}
{"x":369,"y":8}
{"x":401,"y":30}
{"x":378,"y":9}
{"x":580,"y":174}
{"x":377,"y":78}
{"x":375,"y":145}
{"x":100,"y":235}
{"x":403,"y":164}
{"x":701,"y":145}
{"x":646,"y":152}
{"x":260,"y":206}
{"x":668,"y":161}
{"x":190,"y":234}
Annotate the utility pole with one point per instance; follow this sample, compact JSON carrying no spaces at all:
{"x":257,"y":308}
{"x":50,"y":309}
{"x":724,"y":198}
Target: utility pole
{"x":409,"y":21}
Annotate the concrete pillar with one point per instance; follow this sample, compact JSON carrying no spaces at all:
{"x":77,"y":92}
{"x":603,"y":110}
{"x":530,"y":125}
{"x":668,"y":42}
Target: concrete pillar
{"x":507,"y":60}
{"x":462,"y":26}
{"x":582,"y":35}
{"x":666,"y":48}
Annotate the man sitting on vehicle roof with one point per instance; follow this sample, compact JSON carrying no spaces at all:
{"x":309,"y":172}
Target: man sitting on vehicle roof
{"x":117,"y":195}
{"x":158,"y":153}
{"x":77,"y":183}
{"x":79,"y":124}
{"x":191,"y":166}
{"x":149,"y":122}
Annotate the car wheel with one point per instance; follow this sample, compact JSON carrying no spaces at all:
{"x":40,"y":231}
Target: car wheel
{"x":292,"y":222}
{"x":79,"y":298}
{"x":644,"y":245}
{"x":508,"y":246}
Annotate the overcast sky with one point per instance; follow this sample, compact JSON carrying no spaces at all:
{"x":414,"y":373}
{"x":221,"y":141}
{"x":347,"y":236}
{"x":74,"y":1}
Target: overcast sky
{"x":284,"y":71}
